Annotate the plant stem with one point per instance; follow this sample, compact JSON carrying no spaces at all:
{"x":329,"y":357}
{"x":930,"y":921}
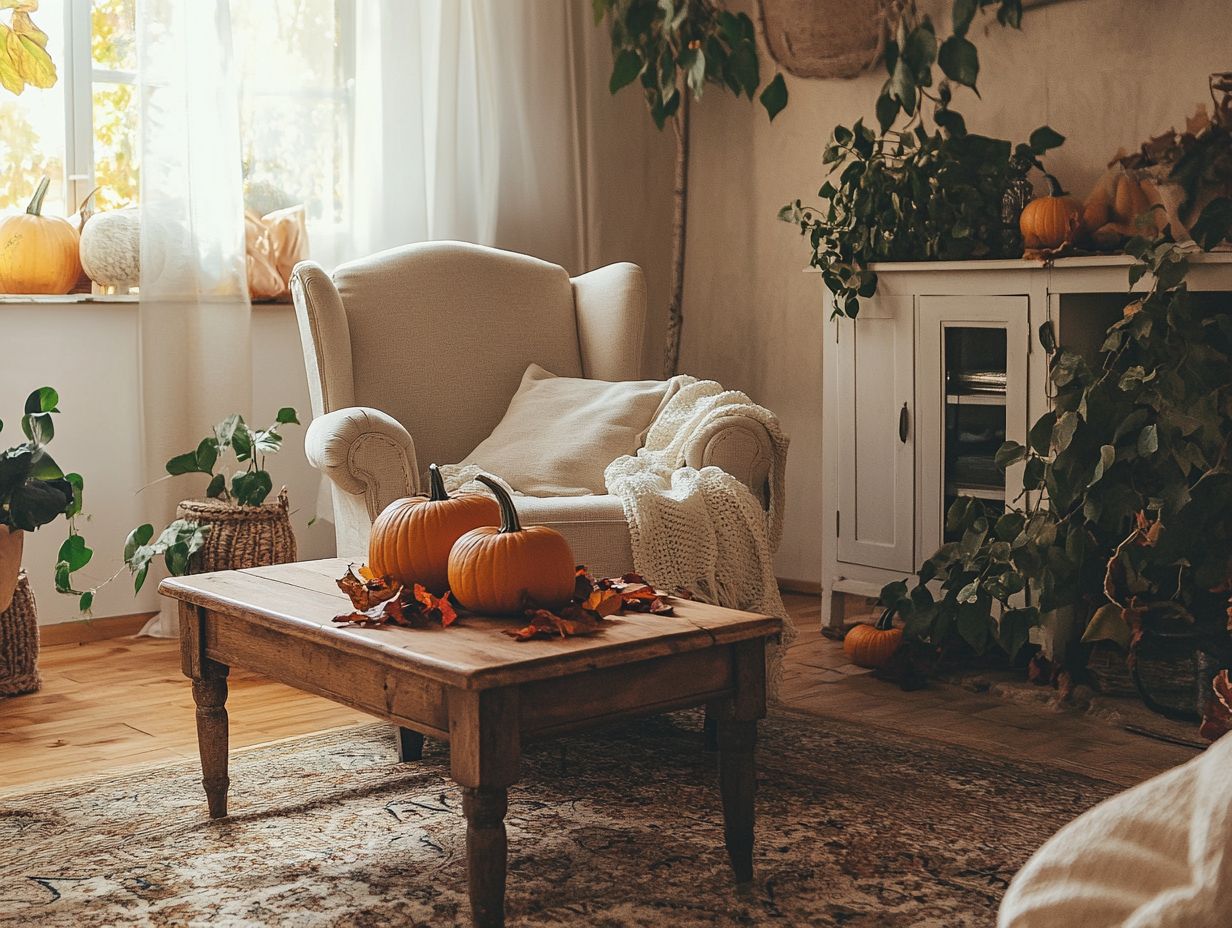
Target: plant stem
{"x":680,"y":203}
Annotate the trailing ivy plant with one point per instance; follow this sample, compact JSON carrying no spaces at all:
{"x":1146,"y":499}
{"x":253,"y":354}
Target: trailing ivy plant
{"x":35,"y":491}
{"x":672,"y":49}
{"x":908,"y":191}
{"x":1127,"y":487}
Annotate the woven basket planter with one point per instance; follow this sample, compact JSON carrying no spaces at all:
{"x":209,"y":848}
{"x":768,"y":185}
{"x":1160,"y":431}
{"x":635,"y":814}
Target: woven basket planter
{"x":240,"y":536}
{"x":19,"y":642}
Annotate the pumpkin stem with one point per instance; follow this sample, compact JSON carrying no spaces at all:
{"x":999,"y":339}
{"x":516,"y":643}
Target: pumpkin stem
{"x":436,"y":484}
{"x":886,"y":622}
{"x":1054,"y":186}
{"x":36,"y":202}
{"x":509,"y":515}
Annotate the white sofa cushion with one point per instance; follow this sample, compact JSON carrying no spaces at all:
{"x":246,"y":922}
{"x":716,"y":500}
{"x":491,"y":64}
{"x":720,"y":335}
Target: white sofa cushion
{"x":559,"y":433}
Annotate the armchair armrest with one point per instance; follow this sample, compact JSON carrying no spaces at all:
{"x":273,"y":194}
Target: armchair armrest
{"x":365,"y":453}
{"x":738,"y":445}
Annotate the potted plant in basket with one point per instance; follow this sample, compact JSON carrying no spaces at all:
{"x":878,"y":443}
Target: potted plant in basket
{"x":34,"y":492}
{"x":232,"y":526}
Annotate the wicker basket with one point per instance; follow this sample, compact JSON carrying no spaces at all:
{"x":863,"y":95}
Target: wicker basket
{"x":240,"y":536}
{"x":19,"y":642}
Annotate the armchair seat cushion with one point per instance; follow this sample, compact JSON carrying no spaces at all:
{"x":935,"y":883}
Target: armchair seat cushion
{"x":559,"y":433}
{"x":594,"y":526}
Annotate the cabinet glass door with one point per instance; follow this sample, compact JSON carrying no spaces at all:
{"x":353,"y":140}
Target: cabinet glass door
{"x":971,"y":387}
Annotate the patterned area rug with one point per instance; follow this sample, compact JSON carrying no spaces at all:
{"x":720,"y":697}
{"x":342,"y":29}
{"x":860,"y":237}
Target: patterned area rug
{"x":856,"y":828}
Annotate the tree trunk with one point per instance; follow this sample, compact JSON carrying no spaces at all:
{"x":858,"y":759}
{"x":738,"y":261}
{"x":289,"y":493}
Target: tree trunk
{"x":680,"y":213}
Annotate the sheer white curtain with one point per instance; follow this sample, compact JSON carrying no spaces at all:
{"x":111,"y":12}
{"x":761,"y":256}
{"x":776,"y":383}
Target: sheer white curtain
{"x":466,"y":126}
{"x":196,"y":362}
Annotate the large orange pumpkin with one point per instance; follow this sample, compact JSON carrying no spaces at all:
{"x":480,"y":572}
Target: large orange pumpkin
{"x":872,"y":646}
{"x":412,"y":538}
{"x":495,"y":569}
{"x":1051,"y":221}
{"x":38,"y":254}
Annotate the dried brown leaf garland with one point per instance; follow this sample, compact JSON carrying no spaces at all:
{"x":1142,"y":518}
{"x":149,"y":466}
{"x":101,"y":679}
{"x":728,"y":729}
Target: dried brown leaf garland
{"x":378,"y":601}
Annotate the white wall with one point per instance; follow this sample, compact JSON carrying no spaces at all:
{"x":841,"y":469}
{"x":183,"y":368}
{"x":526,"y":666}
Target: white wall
{"x":89,"y":353}
{"x":1104,"y":73}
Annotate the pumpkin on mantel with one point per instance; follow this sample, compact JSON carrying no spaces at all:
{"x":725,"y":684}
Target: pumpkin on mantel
{"x":1051,"y":221}
{"x":493,"y":569}
{"x":872,"y":646}
{"x":38,"y":254}
{"x":411,"y":539}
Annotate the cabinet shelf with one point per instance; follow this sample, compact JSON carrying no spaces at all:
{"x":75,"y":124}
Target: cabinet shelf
{"x":991,"y":493}
{"x":975,"y":399}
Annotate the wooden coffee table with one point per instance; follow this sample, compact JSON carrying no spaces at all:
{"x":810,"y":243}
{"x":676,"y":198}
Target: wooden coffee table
{"x":481,"y":691}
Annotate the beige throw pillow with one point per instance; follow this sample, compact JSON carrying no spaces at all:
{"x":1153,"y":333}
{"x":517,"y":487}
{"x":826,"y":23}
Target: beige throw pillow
{"x":559,"y":433}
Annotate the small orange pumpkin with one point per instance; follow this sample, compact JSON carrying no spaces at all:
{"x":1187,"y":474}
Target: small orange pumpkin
{"x":38,"y":254}
{"x":412,"y":537}
{"x":494,"y":569}
{"x":1051,"y":221}
{"x":872,"y":646}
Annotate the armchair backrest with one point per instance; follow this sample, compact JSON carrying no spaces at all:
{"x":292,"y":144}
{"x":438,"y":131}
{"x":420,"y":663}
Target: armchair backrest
{"x":438,"y":334}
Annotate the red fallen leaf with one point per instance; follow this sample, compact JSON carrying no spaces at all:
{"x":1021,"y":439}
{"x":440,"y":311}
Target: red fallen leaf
{"x":604,"y":602}
{"x":436,"y":607}
{"x":1217,"y":715}
{"x":365,"y":589}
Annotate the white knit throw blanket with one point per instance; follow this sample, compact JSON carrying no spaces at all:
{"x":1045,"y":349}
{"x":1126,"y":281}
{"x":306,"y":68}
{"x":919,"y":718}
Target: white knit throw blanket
{"x":698,"y":530}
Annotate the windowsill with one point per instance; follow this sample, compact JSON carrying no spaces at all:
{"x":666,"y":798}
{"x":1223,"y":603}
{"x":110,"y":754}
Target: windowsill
{"x":58,"y":299}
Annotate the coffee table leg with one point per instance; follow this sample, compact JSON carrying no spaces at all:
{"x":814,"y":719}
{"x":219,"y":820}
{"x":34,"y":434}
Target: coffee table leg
{"x":410,"y":745}
{"x":484,"y":751}
{"x":736,"y":719}
{"x":738,"y":783}
{"x":210,"y":694}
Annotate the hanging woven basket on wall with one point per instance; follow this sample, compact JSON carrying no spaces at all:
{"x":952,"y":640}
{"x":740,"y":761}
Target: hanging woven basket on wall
{"x":19,"y":642}
{"x":827,"y":38}
{"x":241,"y":536}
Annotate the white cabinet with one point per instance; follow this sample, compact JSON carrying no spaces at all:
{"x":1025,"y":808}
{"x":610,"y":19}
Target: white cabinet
{"x":877,"y":474}
{"x":941,"y":367}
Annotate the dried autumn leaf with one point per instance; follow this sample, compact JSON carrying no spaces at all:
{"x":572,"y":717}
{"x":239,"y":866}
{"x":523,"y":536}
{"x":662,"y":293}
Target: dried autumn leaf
{"x":435,"y":607}
{"x":604,"y":602}
{"x":29,"y":57}
{"x":364,"y":589}
{"x":1217,"y":716}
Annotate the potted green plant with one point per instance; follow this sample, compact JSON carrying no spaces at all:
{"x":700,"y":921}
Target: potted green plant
{"x":232,"y":526}
{"x":1123,"y":515}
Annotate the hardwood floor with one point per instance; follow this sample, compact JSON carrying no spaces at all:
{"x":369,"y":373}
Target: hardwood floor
{"x":110,"y":704}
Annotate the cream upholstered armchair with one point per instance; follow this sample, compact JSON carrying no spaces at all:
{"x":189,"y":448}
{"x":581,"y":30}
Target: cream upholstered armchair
{"x":413,"y":355}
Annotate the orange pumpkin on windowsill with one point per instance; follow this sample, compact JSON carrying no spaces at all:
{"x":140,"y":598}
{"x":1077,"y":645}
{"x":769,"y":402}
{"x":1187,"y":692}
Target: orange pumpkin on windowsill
{"x":38,"y":254}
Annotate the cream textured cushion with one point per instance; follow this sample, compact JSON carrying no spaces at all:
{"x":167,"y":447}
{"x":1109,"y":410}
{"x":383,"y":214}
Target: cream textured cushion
{"x":559,"y":433}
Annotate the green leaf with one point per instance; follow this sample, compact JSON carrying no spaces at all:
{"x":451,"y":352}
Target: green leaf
{"x":185,"y":463}
{"x":137,"y":538}
{"x":1045,"y":139}
{"x":44,"y":399}
{"x":75,"y":553}
{"x":286,"y":416}
{"x":962,"y":12}
{"x":250,"y":489}
{"x":1063,"y":432}
{"x":1009,"y":526}
{"x":224,"y":431}
{"x":1040,"y":435}
{"x":241,"y":442}
{"x":745,"y":68}
{"x":973,"y":627}
{"x":1214,"y":225}
{"x":959,"y":61}
{"x":1148,"y":441}
{"x":887,"y":110}
{"x":919,"y":53}
{"x":206,"y":455}
{"x":38,"y":427}
{"x":217,"y":487}
{"x":37,"y":502}
{"x":266,"y":441}
{"x":1107,"y":624}
{"x":139,"y":577}
{"x":78,"y":485}
{"x":774,"y":97}
{"x":1014,"y":629}
{"x":1107,"y":455}
{"x":1009,"y":453}
{"x":86,"y":603}
{"x":625,"y":69}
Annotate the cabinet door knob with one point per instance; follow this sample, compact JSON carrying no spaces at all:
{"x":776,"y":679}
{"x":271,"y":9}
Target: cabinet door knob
{"x":902,"y":424}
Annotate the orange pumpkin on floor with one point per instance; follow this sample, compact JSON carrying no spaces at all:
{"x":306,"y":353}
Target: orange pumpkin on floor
{"x":412,"y":538}
{"x":872,"y":646}
{"x":1051,"y":221}
{"x":493,"y":569}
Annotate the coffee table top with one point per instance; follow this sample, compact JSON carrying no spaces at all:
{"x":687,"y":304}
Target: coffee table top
{"x":300,"y":600}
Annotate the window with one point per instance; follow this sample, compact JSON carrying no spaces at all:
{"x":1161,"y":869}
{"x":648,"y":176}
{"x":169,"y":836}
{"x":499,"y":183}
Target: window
{"x":296,"y":61}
